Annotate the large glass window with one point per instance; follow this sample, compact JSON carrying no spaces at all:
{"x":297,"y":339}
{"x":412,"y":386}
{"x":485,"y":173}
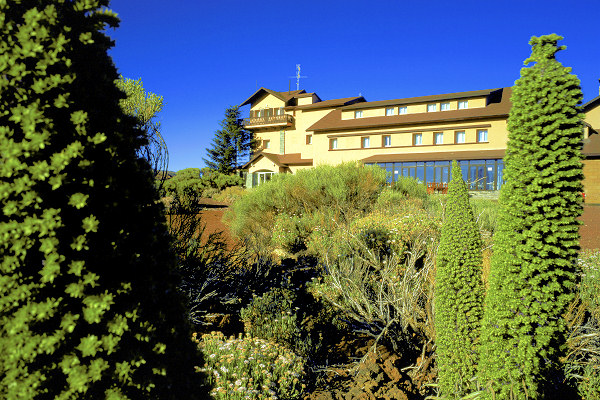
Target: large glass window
{"x":479,"y":174}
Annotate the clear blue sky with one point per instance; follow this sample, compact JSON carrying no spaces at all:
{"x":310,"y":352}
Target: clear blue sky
{"x":203,"y":56}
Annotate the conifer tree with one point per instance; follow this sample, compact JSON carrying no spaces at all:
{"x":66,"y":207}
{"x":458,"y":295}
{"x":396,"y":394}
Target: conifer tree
{"x":88,"y":301}
{"x":537,"y":241}
{"x":458,"y":292}
{"x":231,"y":144}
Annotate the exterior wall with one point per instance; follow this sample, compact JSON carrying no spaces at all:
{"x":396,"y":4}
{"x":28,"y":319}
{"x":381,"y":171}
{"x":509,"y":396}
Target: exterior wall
{"x":295,"y":168}
{"x":592,"y":117}
{"x":263,"y":164}
{"x":268,"y":101}
{"x":302,"y":101}
{"x":591,"y":181}
{"x":349,"y":143}
{"x":295,"y":139}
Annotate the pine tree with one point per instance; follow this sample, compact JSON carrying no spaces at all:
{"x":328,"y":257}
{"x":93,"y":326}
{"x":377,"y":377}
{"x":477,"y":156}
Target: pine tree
{"x":88,"y":301}
{"x":532,"y":275}
{"x":458,"y":292}
{"x":231,"y":144}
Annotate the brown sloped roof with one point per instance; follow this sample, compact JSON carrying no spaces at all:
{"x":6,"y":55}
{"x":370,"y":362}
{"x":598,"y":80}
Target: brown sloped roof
{"x":329,"y":103}
{"x":591,"y":104}
{"x":591,"y":146}
{"x":437,"y":156}
{"x":281,"y":160}
{"x":500,"y":107}
{"x":283,"y":96}
{"x":422,"y":99}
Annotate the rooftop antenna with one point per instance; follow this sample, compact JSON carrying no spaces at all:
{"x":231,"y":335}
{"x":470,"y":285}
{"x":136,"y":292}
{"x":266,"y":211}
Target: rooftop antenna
{"x":298,"y":76}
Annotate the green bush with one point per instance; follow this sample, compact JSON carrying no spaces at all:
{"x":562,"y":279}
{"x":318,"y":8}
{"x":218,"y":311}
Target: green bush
{"x":388,"y":292}
{"x":218,"y":180}
{"x":341,"y":192}
{"x":410,"y":187}
{"x":230,"y":194}
{"x":186,"y":184}
{"x":272,"y":318}
{"x":250,"y":368}
{"x":88,"y":301}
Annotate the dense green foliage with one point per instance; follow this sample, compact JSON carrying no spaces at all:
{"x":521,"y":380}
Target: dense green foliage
{"x":88,"y":306}
{"x":458,"y":291}
{"x":145,"y":106}
{"x":231,"y":145}
{"x":410,"y":187}
{"x":285,"y":211}
{"x":189,"y":184}
{"x":271,"y":317}
{"x":532,"y":278}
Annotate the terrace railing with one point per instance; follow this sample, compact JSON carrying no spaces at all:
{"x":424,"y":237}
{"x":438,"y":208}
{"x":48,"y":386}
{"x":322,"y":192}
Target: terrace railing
{"x":284,"y":119}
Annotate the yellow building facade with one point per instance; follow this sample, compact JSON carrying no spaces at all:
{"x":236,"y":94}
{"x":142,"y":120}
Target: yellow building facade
{"x":417,"y":137}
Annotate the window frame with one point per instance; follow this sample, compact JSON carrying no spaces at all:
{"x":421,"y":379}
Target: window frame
{"x":405,"y":108}
{"x":486,"y":136}
{"x":389,"y":111}
{"x":308,"y":139}
{"x":437,"y":135}
{"x":333,"y":144}
{"x":433,"y":107}
{"x":464,"y":137}
{"x":266,"y":144}
{"x":358,"y":114}
{"x":365,"y":142}
{"x":447,"y":104}
{"x":389,"y":140}
{"x":466,"y":104}
{"x":420,"y":136}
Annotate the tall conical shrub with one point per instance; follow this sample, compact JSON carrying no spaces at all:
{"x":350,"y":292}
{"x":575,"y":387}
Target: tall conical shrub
{"x":458,"y":292}
{"x":536,"y":245}
{"x":88,"y":300}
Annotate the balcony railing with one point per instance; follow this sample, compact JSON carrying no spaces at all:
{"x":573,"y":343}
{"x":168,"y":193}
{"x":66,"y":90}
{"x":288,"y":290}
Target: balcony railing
{"x":284,"y":119}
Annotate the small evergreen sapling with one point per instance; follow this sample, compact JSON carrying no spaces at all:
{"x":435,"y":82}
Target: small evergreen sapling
{"x":458,"y":292}
{"x":88,"y":301}
{"x":532,"y":277}
{"x":231,"y":144}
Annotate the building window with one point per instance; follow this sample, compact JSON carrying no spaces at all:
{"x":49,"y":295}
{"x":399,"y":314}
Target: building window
{"x":266,"y":144}
{"x":389,"y":111}
{"x":463,"y":104}
{"x":308,"y":139}
{"x":333,"y":144}
{"x":482,"y":136}
{"x":387,"y":141}
{"x":280,"y":111}
{"x":417,"y":139}
{"x":431,"y":107}
{"x":459,"y":137}
{"x":357,"y":114}
{"x":402,"y":110}
{"x":261,"y":113}
{"x":445,"y":107}
{"x":365,"y":142}
{"x":261,"y":177}
{"x":438,"y":138}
